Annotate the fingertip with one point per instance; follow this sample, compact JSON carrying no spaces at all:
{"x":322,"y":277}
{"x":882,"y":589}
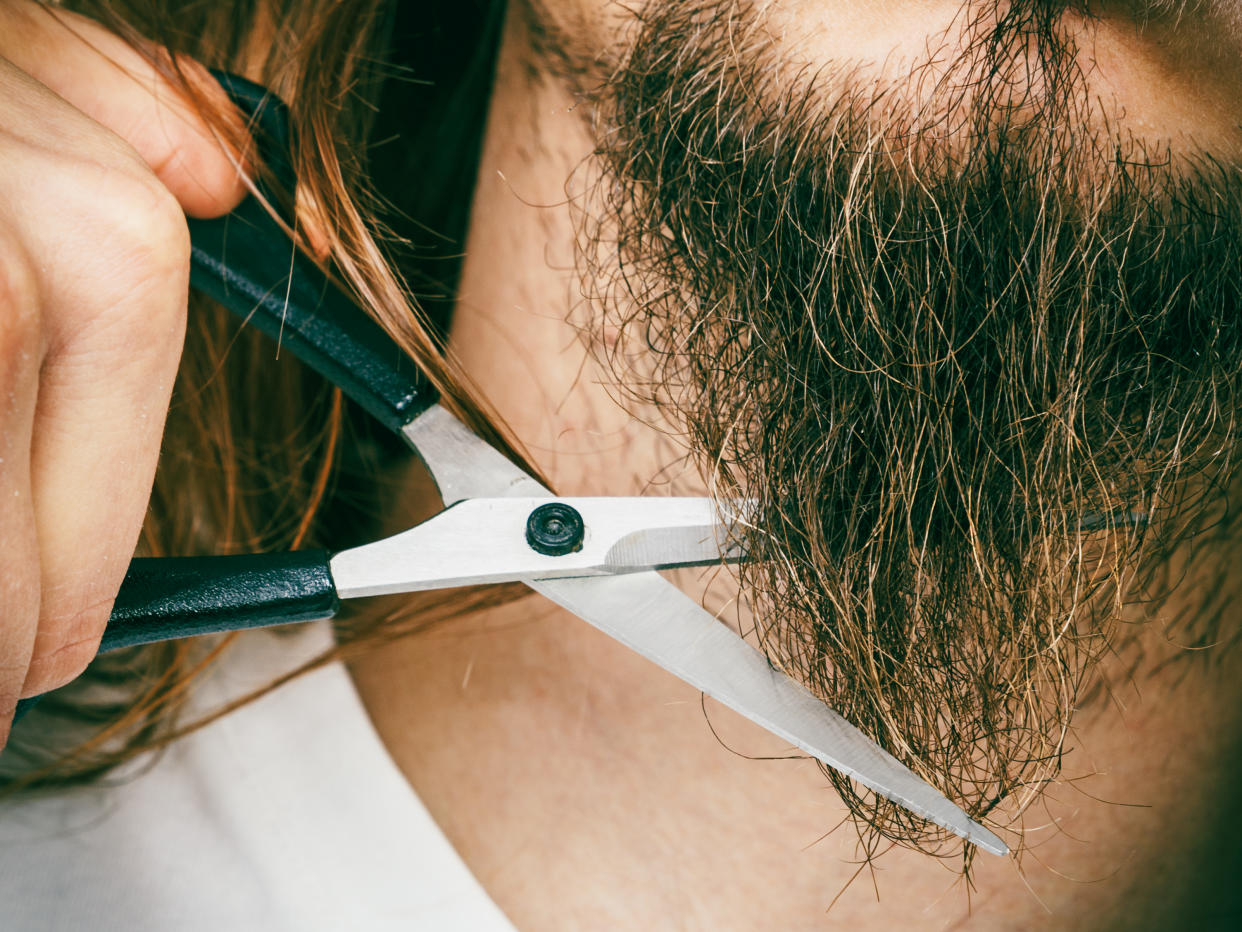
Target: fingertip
{"x":206,"y":181}
{"x":169,"y":109}
{"x":64,"y":647}
{"x":207,"y":171}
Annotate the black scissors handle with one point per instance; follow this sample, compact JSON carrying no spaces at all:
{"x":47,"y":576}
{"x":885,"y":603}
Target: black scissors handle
{"x":246,"y":261}
{"x":163,"y":598}
{"x":176,"y":597}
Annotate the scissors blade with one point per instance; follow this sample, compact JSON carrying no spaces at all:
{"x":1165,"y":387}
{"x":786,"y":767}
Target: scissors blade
{"x":652,"y":617}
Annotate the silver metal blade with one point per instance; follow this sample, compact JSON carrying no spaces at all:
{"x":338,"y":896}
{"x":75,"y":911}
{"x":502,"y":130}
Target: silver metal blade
{"x":483,"y":540}
{"x":462,"y":465}
{"x":651,"y":616}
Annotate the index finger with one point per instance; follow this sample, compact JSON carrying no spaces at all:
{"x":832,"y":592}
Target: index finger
{"x":103,"y":76}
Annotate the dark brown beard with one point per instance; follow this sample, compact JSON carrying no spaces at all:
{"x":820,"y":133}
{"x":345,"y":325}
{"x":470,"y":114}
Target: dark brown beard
{"x":964,"y":368}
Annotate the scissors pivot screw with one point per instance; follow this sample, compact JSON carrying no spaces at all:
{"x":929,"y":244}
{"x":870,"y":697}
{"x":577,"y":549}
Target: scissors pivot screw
{"x":555,"y":529}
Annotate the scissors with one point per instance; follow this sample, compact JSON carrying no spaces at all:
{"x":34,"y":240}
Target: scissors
{"x":596,"y":557}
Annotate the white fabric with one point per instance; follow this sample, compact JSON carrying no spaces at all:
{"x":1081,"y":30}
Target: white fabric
{"x":287,"y":814}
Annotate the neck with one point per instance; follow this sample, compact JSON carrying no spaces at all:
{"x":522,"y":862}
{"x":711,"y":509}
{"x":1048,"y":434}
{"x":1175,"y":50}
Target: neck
{"x":512,"y":326}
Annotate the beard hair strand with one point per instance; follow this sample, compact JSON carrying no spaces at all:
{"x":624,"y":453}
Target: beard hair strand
{"x":965,"y":364}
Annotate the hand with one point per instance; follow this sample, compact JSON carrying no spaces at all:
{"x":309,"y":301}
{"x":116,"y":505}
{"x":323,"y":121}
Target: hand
{"x":100,"y":160}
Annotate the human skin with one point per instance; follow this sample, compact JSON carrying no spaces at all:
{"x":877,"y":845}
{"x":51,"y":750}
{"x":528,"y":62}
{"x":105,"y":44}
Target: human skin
{"x":584,"y":787}
{"x":101,"y":162}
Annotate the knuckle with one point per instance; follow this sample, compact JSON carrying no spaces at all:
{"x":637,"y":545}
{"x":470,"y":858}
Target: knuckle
{"x":19,"y":298}
{"x":159,"y":240}
{"x":147,"y":258}
{"x":149,"y":236}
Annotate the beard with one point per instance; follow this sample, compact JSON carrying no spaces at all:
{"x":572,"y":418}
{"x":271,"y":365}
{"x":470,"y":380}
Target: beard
{"x":968,"y":359}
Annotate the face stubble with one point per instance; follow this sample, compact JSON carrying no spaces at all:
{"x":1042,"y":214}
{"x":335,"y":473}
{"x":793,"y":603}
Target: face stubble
{"x":953,"y":353}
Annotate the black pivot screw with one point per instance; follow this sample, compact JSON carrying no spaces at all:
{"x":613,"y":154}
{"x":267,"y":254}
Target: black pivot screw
{"x":555,"y":529}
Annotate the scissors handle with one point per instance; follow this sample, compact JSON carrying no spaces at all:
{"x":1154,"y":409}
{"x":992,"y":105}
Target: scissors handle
{"x":247,"y":262}
{"x":163,"y":598}
{"x":175,"y":597}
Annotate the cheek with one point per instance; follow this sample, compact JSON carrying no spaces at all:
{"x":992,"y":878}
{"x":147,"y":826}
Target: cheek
{"x":1180,"y":86}
{"x":879,"y":38}
{"x":1171,"y":81}
{"x":807,"y":32}
{"x":881,"y":35}
{"x":1168,"y":82}
{"x":593,"y":34}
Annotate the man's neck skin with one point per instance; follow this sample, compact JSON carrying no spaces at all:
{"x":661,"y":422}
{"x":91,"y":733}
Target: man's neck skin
{"x":583,"y":786}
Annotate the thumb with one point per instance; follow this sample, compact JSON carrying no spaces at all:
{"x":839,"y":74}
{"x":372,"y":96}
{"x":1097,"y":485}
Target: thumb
{"x":108,"y":80}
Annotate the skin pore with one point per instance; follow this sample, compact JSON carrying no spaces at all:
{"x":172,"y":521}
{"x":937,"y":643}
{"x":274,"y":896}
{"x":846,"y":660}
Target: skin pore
{"x":582,"y":785}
